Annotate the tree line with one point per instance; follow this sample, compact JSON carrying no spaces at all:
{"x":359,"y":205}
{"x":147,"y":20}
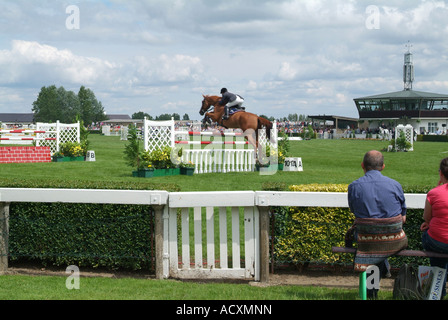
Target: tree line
{"x":164,"y":116}
{"x":54,"y":104}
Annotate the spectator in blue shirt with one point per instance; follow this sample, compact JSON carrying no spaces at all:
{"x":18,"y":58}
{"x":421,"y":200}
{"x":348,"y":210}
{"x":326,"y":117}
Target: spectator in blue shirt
{"x":376,"y":196}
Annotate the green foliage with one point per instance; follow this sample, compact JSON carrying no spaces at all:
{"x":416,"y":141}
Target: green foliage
{"x":72,"y":149}
{"x":309,"y":233}
{"x":159,"y":159}
{"x":308,"y":133}
{"x":88,"y":235}
{"x":306,"y":234}
{"x":284,"y":147}
{"x":83,"y":135}
{"x":274,"y":186}
{"x":132,"y":148}
{"x":54,"y":104}
{"x":111,"y":236}
{"x":87,"y":184}
{"x":402,"y":143}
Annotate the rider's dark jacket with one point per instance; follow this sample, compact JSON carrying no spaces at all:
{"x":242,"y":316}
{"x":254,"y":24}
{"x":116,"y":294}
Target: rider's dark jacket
{"x":227,"y":97}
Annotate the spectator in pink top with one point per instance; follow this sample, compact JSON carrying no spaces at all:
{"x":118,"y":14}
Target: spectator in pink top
{"x":435,"y":227}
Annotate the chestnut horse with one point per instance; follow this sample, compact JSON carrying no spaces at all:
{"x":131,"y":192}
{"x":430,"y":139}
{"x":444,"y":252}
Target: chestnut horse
{"x":248,"y":122}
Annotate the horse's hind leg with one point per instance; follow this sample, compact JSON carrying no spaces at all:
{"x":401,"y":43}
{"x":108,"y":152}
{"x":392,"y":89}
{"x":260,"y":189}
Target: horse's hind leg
{"x":250,"y":136}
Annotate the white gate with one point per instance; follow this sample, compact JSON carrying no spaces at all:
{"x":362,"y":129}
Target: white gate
{"x":211,"y":235}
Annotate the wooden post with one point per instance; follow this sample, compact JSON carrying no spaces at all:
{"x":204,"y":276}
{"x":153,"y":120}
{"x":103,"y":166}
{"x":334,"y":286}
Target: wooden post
{"x":158,"y":239}
{"x":264,"y":243}
{"x":4,"y":235}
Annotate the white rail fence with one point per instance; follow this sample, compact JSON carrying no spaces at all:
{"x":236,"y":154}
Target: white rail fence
{"x":45,"y":135}
{"x":229,"y":208}
{"x":224,"y":225}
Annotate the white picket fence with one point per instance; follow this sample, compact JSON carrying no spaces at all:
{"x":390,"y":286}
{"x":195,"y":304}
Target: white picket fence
{"x":210,"y":223}
{"x":220,"y":160}
{"x":232,"y":206}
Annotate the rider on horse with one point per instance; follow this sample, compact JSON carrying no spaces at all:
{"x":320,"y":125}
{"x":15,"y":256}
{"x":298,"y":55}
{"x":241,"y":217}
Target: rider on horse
{"x":230,"y":100}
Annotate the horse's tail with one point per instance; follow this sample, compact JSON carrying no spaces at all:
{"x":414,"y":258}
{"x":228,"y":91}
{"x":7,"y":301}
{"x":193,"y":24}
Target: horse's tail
{"x":263,"y":122}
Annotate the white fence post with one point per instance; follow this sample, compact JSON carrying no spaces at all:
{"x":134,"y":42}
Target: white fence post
{"x":58,"y":135}
{"x":4,"y":236}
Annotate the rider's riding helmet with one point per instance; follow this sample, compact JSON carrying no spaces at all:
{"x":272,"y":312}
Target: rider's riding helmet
{"x":223,"y":90}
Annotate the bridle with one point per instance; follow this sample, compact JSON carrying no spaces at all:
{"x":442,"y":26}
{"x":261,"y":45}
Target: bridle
{"x":205,"y":107}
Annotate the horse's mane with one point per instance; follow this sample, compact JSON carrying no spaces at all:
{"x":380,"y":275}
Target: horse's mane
{"x":214,"y":98}
{"x":211,"y":96}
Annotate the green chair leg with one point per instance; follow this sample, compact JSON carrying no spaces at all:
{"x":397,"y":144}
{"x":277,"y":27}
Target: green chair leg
{"x":362,"y":286}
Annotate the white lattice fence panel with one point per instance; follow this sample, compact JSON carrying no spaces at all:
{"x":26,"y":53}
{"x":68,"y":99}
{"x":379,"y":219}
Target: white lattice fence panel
{"x":158,"y":134}
{"x":62,"y":132}
{"x":68,"y":133}
{"x":264,"y":141}
{"x":50,"y":132}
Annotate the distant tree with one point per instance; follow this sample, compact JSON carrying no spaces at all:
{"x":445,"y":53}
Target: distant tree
{"x":91,"y":110}
{"x":47,"y":108}
{"x":167,"y":116}
{"x":186,"y":117}
{"x":141,"y":115}
{"x":53,"y":104}
{"x":70,"y":107}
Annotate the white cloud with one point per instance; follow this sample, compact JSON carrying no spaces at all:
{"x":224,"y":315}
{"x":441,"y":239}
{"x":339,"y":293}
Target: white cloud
{"x":30,"y":62}
{"x":286,"y":72}
{"x":309,"y":56}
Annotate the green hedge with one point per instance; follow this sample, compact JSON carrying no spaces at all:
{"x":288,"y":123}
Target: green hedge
{"x":432,"y":138}
{"x":83,"y":184}
{"x":304,"y":235}
{"x":88,"y":235}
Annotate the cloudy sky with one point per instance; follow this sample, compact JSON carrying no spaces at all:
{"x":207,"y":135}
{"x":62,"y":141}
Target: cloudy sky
{"x":308,"y":57}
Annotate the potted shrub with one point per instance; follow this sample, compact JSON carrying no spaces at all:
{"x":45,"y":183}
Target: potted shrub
{"x":402,"y":143}
{"x":187,"y":168}
{"x":132,"y":151}
{"x":159,"y":161}
{"x":70,"y":151}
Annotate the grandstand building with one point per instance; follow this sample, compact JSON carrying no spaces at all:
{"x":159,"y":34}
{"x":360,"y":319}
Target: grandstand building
{"x":426,"y":112}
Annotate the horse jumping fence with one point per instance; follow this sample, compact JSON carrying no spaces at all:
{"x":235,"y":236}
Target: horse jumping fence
{"x":227,"y":152}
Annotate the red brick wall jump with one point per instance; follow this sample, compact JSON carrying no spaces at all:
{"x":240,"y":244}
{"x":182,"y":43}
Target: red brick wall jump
{"x":24,"y":154}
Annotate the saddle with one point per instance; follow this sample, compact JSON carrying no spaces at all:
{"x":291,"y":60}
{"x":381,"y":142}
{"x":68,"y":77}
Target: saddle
{"x":234,"y":110}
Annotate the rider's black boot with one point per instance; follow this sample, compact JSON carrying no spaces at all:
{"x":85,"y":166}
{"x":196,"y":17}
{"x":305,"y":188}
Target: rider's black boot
{"x":226,"y":113}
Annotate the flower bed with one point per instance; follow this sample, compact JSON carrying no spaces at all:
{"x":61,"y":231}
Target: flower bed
{"x":70,"y":151}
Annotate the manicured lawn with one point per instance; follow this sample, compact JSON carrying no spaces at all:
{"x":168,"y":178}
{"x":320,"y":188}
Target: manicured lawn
{"x":324,"y":161}
{"x":14,"y":287}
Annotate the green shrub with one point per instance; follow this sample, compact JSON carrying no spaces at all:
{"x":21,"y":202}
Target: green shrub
{"x":86,"y":184}
{"x":309,"y":233}
{"x":306,"y":234}
{"x":87,"y":235}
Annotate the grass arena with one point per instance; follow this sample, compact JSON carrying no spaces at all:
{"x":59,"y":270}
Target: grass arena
{"x":324,"y":162}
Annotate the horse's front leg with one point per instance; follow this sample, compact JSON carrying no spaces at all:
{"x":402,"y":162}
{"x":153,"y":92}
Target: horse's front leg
{"x":212,"y":116}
